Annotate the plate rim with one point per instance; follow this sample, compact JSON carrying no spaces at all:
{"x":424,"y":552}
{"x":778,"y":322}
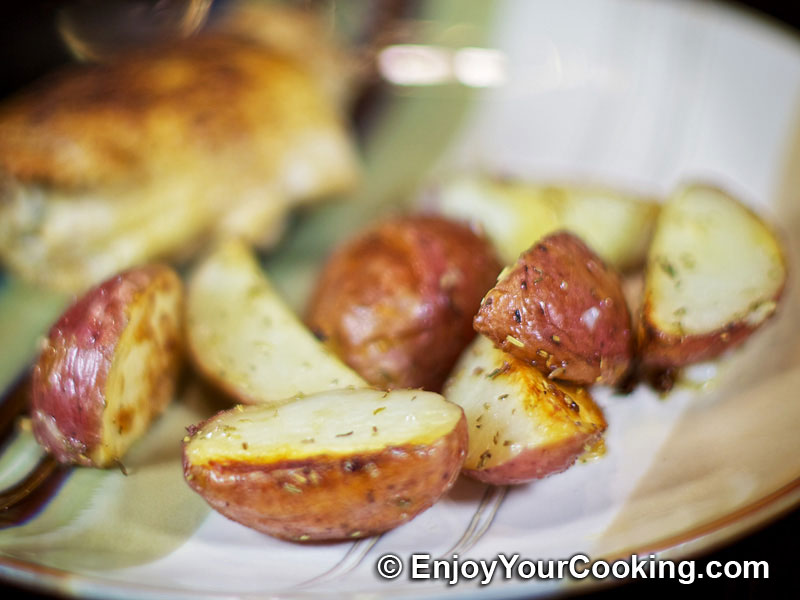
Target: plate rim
{"x":684,"y":545}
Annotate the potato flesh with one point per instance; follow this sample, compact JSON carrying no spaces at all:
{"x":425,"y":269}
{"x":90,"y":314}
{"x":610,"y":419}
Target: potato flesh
{"x":245,"y":338}
{"x":336,"y":423}
{"x":514,"y":215}
{"x":368,"y":469}
{"x":712,"y":262}
{"x":512,"y":407}
{"x":139,"y":383}
{"x":615,"y":225}
{"x":109,"y":366}
{"x":511,"y":216}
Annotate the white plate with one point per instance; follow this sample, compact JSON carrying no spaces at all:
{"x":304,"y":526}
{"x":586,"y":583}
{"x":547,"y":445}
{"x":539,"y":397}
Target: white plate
{"x":639,"y":95}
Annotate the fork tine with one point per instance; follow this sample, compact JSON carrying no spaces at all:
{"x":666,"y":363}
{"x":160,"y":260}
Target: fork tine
{"x":14,"y":402}
{"x":26,"y":498}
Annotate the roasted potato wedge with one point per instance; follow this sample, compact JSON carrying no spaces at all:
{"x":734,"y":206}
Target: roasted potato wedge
{"x":562,"y":310}
{"x":108,"y":367}
{"x":522,"y":426}
{"x":243,"y":337}
{"x":715,"y":273}
{"x":515,"y":214}
{"x":333,"y":465}
{"x":396,"y":303}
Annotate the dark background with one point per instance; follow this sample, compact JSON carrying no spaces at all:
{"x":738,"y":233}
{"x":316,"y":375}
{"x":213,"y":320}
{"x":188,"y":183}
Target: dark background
{"x":29,"y":47}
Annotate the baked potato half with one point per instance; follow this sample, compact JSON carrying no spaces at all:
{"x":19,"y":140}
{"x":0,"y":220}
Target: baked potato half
{"x":333,"y":465}
{"x":397,"y":302}
{"x":247,"y":341}
{"x":108,"y":367}
{"x":562,"y":310}
{"x":514,"y":214}
{"x":715,"y":273}
{"x":522,"y":425}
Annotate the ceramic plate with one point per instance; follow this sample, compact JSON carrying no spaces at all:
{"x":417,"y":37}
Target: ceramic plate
{"x":636,"y":95}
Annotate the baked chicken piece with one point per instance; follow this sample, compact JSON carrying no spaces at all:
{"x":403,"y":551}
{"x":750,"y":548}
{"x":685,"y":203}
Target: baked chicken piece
{"x":106,"y":166}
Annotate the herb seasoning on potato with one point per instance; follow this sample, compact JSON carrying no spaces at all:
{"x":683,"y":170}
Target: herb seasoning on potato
{"x":244,"y":339}
{"x":522,"y":426}
{"x":396,"y":303}
{"x":561,"y":309}
{"x":715,"y":274}
{"x":333,"y":465}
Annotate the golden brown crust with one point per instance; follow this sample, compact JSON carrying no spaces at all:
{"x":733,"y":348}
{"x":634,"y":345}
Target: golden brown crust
{"x":570,"y":415}
{"x":522,"y":425}
{"x":103,"y":167}
{"x":330,"y":497}
{"x":396,"y":304}
{"x":662,"y":350}
{"x":561,"y":309}
{"x":151,"y":109}
{"x":663,"y":343}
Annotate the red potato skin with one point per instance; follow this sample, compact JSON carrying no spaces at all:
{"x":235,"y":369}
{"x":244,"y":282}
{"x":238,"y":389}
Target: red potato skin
{"x":68,"y":380}
{"x":326,"y":498}
{"x":661,"y":350}
{"x":538,"y":463}
{"x":540,"y":303}
{"x":658,"y":350}
{"x":396,"y":304}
